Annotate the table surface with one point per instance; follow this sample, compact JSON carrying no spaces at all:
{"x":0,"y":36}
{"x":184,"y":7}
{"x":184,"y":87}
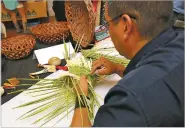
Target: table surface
{"x":101,"y":89}
{"x":20,"y":69}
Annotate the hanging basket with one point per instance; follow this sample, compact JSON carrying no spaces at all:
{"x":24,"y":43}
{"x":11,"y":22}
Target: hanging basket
{"x":81,"y":19}
{"x":18,"y":47}
{"x":51,"y":33}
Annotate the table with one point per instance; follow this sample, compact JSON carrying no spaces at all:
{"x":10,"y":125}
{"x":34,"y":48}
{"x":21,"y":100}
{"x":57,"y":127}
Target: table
{"x":11,"y":121}
{"x":25,"y":66}
{"x":20,"y":69}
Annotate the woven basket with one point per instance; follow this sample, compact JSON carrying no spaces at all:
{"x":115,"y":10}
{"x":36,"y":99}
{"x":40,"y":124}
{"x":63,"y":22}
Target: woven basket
{"x":81,"y":19}
{"x":51,"y":33}
{"x":18,"y":47}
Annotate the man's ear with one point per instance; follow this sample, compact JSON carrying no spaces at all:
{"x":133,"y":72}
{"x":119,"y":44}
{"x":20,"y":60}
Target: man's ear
{"x":128,"y":25}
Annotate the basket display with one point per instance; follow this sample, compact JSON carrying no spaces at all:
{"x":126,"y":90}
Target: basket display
{"x":81,"y":19}
{"x":51,"y":33}
{"x":18,"y":47}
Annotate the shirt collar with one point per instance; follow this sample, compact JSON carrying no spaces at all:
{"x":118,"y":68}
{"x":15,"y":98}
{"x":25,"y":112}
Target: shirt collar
{"x":160,"y":40}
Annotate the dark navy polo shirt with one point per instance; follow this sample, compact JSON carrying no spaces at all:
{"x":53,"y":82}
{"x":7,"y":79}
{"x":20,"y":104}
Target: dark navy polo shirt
{"x":151,"y":93}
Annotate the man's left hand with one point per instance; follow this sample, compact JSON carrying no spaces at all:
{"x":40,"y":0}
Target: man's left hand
{"x":83,"y":86}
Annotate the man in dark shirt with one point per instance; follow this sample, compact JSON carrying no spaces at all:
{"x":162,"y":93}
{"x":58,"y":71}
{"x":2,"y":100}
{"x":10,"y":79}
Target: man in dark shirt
{"x":151,"y":92}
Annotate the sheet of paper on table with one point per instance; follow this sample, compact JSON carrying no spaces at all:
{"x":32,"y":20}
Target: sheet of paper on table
{"x":106,"y":43}
{"x":44,"y":54}
{"x":10,"y":115}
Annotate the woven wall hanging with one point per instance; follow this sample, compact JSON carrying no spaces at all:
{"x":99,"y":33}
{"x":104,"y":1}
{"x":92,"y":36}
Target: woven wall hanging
{"x":102,"y":14}
{"x":81,"y":19}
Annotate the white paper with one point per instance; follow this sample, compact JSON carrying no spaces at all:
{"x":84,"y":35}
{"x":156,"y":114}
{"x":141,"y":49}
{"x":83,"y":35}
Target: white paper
{"x":10,"y":116}
{"x":44,"y":54}
{"x":106,"y":43}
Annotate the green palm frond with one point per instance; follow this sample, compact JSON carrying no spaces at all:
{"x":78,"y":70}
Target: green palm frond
{"x":57,"y":97}
{"x":94,"y":55}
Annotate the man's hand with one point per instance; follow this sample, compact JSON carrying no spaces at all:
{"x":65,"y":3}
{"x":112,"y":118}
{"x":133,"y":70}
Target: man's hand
{"x":80,"y":117}
{"x":83,"y":87}
{"x":103,"y":66}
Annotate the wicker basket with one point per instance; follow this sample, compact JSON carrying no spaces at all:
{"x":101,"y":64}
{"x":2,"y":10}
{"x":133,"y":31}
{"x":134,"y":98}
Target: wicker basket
{"x":18,"y":47}
{"x":51,"y":33}
{"x":81,"y":19}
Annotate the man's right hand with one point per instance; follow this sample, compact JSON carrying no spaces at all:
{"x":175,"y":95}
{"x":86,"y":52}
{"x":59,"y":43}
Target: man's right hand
{"x":103,"y":66}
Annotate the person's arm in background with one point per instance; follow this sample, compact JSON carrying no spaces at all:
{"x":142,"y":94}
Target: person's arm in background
{"x":103,"y":66}
{"x":80,"y":117}
{"x":59,"y":10}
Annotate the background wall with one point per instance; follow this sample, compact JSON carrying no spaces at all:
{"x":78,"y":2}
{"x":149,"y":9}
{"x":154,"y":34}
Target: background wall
{"x":50,"y":4}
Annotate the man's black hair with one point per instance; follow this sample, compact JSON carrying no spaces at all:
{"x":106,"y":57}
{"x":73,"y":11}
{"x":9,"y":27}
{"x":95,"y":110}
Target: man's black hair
{"x":152,"y":17}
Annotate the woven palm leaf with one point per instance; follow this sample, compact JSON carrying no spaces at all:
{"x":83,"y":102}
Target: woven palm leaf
{"x":61,"y":93}
{"x":81,"y":19}
{"x":18,"y":47}
{"x":95,"y":54}
{"x":51,"y":33}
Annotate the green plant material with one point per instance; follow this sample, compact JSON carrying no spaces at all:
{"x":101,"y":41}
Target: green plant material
{"x":61,"y":93}
{"x":94,"y":55}
{"x":64,"y":98}
{"x":39,"y":100}
{"x":35,"y":109}
{"x":78,"y":45}
{"x":64,"y":116}
{"x":66,"y":52}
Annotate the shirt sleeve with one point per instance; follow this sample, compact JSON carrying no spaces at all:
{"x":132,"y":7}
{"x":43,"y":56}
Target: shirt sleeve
{"x":178,"y":6}
{"x":121,"y":109}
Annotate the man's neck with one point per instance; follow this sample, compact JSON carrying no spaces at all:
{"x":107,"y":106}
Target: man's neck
{"x":138,"y":47}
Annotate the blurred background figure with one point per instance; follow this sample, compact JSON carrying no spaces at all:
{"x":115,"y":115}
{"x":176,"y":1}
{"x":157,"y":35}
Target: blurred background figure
{"x":11,"y":6}
{"x":3,"y":31}
{"x":59,"y":9}
{"x":178,"y":8}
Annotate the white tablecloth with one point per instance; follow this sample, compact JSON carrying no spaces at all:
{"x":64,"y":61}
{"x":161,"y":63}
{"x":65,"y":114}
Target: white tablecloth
{"x":9,"y":115}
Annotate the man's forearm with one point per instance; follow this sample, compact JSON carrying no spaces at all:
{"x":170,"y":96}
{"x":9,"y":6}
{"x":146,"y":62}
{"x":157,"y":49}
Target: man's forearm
{"x":80,"y":118}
